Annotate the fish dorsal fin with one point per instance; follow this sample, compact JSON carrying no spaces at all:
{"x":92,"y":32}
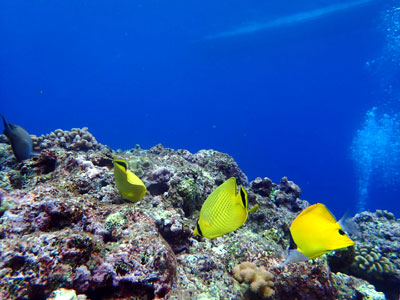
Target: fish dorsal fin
{"x":4,"y":122}
{"x":13,"y":126}
{"x":314,"y":214}
{"x":122,"y":163}
{"x":319,"y":210}
{"x":7,"y":129}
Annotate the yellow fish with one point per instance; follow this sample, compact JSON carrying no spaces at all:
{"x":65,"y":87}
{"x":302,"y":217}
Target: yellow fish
{"x":315,"y":232}
{"x":129,"y":185}
{"x":224,"y":210}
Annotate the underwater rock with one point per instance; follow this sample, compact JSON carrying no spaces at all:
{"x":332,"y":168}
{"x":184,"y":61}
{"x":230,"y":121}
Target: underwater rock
{"x":183,"y":178}
{"x":67,"y":254}
{"x":45,"y":163}
{"x":352,"y":288}
{"x":288,"y":196}
{"x":218,"y":164}
{"x":3,"y":139}
{"x":159,"y":181}
{"x":63,"y":224}
{"x":65,"y":294}
{"x":175,"y":233}
{"x":375,"y":257}
{"x":289,"y":187}
{"x":262,"y":187}
{"x":304,"y":281}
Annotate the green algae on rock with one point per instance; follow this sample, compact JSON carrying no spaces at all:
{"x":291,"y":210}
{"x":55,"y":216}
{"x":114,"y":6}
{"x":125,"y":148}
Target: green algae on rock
{"x":352,"y":288}
{"x":115,"y":220}
{"x":375,"y":256}
{"x":66,"y":227}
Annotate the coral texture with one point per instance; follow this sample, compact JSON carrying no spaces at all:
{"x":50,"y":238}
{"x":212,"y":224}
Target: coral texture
{"x":64,"y":225}
{"x":76,"y":139}
{"x":375,"y":257}
{"x":260,"y":280}
{"x":352,"y":288}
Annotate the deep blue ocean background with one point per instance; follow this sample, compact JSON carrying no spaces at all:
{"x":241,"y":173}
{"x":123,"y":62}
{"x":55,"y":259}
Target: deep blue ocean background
{"x":283,"y":101}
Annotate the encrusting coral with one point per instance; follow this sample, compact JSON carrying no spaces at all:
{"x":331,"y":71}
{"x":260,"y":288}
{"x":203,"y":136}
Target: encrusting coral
{"x":63,"y":225}
{"x":259,"y":279}
{"x":375,"y":256}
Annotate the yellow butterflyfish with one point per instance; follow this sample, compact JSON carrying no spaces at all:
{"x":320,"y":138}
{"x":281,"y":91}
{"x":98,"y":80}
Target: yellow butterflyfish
{"x":315,"y":232}
{"x":129,"y":185}
{"x":224,"y":210}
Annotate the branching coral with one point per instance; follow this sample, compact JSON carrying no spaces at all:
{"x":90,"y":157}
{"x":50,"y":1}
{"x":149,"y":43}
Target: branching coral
{"x":76,"y":139}
{"x":259,"y":279}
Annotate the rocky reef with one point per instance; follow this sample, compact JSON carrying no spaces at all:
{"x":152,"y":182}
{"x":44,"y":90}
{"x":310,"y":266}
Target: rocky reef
{"x":66,"y":233}
{"x":375,"y":257}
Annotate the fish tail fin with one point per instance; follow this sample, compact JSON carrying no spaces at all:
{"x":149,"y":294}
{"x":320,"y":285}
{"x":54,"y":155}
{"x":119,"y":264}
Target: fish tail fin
{"x":254,"y":208}
{"x":4,"y":122}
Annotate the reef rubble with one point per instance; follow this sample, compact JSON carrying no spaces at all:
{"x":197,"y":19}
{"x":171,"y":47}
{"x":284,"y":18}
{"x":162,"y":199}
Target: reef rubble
{"x":65,"y":230}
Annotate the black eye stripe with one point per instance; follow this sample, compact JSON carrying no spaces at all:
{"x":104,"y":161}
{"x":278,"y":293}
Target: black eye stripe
{"x":341,"y":232}
{"x":198,"y":229}
{"x":243,"y":197}
{"x":123,"y":164}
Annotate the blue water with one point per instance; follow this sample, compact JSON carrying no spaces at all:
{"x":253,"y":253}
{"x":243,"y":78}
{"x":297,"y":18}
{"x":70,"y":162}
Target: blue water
{"x":283,"y":100}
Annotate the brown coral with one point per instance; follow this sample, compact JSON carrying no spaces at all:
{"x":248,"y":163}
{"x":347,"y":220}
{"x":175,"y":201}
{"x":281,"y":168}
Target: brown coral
{"x":260,"y":280}
{"x":77,"y":139}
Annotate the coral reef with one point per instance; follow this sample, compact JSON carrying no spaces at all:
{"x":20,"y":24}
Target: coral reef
{"x":305,"y":281}
{"x":77,"y":139}
{"x":65,"y":228}
{"x":263,"y":186}
{"x":373,"y":262}
{"x":71,"y":244}
{"x":259,"y":279}
{"x":288,"y":195}
{"x":375,"y":257}
{"x":352,"y":288}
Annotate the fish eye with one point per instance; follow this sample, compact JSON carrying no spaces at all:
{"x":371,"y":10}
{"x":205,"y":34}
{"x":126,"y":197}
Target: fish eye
{"x":341,"y":232}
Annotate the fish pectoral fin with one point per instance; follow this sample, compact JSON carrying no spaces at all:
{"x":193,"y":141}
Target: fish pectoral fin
{"x":254,"y":208}
{"x":206,"y":224}
{"x":294,"y":257}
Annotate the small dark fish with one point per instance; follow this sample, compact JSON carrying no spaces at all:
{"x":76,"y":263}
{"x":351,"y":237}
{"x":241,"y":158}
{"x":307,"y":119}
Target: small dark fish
{"x":20,"y":140}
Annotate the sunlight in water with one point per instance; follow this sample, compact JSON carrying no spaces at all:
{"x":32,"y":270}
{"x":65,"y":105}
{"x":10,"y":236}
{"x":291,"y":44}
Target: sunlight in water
{"x":376,"y":153}
{"x":289,"y":20}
